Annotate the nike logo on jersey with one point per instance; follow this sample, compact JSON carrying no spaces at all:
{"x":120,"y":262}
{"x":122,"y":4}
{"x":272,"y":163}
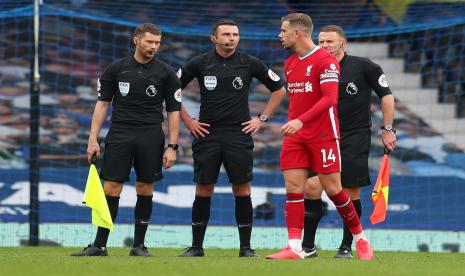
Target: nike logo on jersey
{"x":327,"y":165}
{"x":288,"y":72}
{"x":124,"y":72}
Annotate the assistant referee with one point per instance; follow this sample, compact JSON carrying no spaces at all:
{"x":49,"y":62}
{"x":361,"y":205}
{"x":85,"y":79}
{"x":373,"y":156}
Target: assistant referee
{"x":136,"y":86}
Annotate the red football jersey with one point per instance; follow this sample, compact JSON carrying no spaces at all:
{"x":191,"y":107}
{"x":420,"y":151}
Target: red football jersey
{"x":311,"y":79}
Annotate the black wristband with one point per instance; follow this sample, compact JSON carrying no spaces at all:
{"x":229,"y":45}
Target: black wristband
{"x":173,"y":146}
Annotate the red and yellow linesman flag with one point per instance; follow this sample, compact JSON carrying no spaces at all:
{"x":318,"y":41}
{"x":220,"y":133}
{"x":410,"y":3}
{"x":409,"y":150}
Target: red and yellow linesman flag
{"x":94,"y":197}
{"x":380,"y":192}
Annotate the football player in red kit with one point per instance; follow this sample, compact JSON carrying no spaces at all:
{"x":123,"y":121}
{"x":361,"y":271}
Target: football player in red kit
{"x":311,"y":135}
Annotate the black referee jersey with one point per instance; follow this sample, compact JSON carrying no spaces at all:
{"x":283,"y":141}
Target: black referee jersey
{"x":359,"y":76}
{"x":225,"y":85}
{"x":139,"y":90}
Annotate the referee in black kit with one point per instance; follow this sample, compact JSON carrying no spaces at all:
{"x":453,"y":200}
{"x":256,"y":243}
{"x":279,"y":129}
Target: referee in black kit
{"x":359,"y":76}
{"x":223,"y":133}
{"x":137,"y":86}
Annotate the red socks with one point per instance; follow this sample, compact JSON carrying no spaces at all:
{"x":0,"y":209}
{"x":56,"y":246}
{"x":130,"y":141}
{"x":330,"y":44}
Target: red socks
{"x":295,"y":215}
{"x":346,"y":209}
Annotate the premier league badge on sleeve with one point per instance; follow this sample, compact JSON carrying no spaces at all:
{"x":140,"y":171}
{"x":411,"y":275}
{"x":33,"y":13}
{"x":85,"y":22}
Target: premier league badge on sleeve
{"x":273,"y":75}
{"x":123,"y":88}
{"x":178,"y":95}
{"x":382,"y":81}
{"x":99,"y":87}
{"x":209,"y":82}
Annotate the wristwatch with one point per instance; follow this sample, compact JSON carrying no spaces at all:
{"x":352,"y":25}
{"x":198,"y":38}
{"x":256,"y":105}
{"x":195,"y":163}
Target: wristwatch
{"x":263,"y":118}
{"x":388,"y":128}
{"x":173,"y":146}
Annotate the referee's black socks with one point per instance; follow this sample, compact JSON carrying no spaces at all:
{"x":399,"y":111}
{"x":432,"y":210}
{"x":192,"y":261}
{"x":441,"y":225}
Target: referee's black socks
{"x":102,"y":233}
{"x":200,"y":217}
{"x":244,"y":219}
{"x":313,"y":214}
{"x":142,"y":215}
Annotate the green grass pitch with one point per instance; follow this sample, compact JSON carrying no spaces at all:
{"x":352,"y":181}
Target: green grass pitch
{"x":56,"y":261}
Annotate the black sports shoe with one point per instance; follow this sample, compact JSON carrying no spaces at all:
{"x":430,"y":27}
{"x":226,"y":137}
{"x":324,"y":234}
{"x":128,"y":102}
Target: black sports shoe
{"x":91,"y":250}
{"x":344,"y":252}
{"x":310,"y":252}
{"x":248,"y":253}
{"x":192,"y":252}
{"x":140,"y":251}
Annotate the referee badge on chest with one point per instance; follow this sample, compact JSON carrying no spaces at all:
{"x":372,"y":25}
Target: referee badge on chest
{"x":123,"y":88}
{"x":237,"y":83}
{"x":351,"y":88}
{"x":151,"y":91}
{"x":209,"y":82}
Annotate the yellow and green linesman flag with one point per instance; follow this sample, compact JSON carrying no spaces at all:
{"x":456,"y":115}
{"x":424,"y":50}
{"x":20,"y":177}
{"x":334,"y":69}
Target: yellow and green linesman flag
{"x":396,"y":9}
{"x":94,"y":197}
{"x":380,"y":192}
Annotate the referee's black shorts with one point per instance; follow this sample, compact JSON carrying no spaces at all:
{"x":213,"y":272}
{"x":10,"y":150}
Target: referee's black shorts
{"x":141,"y":147}
{"x":227,"y":145}
{"x":355,"y":147}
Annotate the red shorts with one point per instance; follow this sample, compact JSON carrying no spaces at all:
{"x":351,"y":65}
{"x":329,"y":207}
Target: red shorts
{"x":319,"y":157}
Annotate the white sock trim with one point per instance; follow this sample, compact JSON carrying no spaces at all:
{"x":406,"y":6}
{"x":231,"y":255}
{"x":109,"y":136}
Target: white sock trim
{"x":345,"y":204}
{"x":295,"y":244}
{"x":359,"y":236}
{"x":295,"y":201}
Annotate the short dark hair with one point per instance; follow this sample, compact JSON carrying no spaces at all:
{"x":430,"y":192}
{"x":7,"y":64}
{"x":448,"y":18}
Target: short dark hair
{"x":222,"y":22}
{"x":333,"y":28}
{"x":147,"y":28}
{"x":299,"y":19}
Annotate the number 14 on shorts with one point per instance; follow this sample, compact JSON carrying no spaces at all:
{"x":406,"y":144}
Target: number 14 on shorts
{"x":330,"y":157}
